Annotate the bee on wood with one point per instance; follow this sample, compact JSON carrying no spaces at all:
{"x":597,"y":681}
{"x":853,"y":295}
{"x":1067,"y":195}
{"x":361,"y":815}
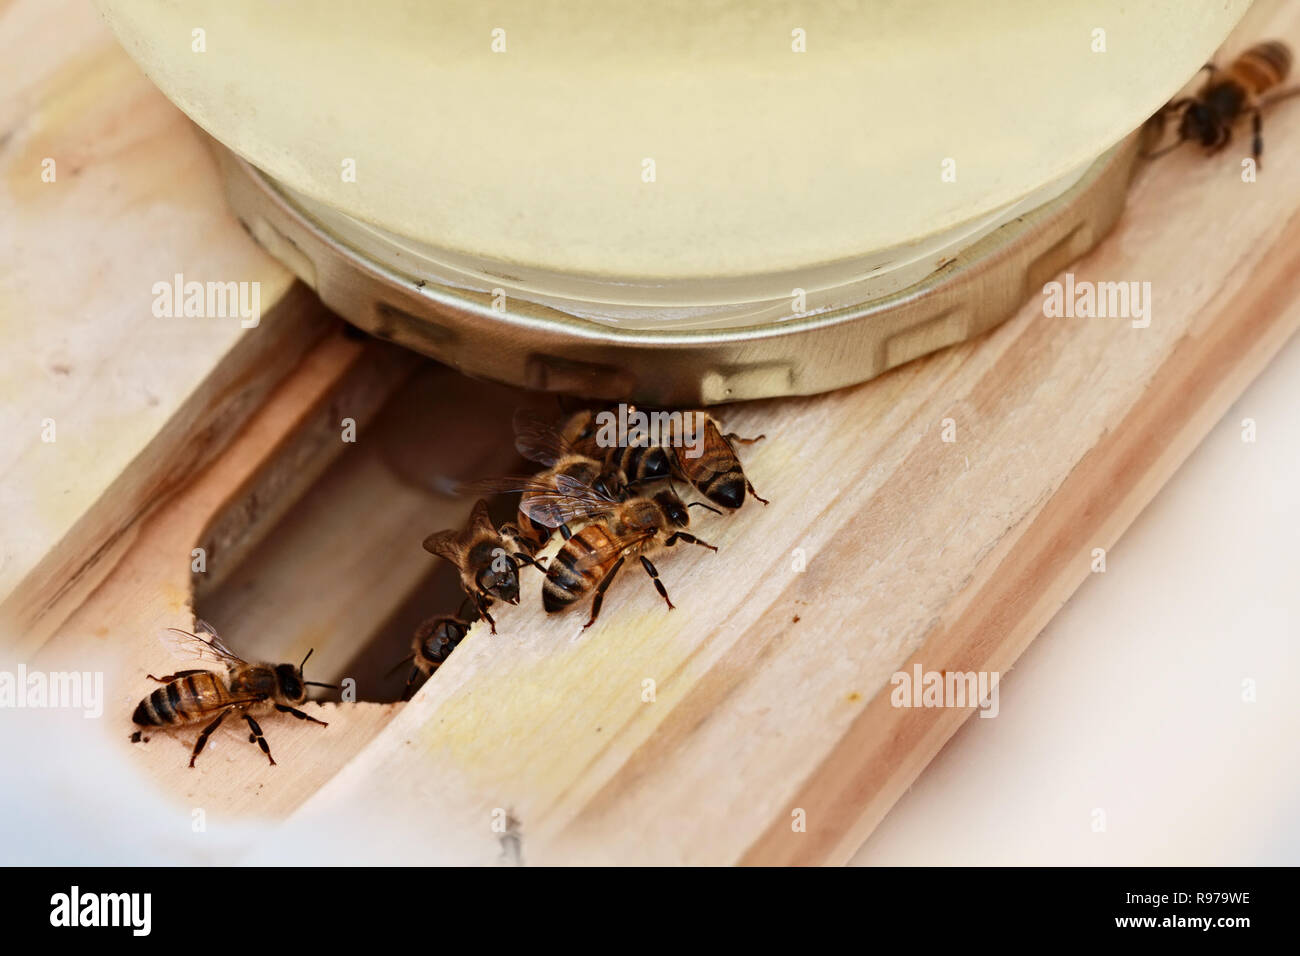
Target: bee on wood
{"x":488,"y":559}
{"x":190,"y":696}
{"x":615,"y":529}
{"x":710,"y":462}
{"x":540,"y":441}
{"x":1227,"y":96}
{"x":431,"y":645}
{"x":641,"y":462}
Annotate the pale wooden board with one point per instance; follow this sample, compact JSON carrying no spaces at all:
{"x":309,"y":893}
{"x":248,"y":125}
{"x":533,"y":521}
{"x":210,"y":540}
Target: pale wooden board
{"x":950,"y":555}
{"x":138,"y":402}
{"x":117,"y":630}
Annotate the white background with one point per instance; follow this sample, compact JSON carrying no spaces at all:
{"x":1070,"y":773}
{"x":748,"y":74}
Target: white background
{"x":1130,"y":701}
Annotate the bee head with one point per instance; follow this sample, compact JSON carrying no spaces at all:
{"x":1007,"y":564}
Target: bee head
{"x":1199,"y":123}
{"x":442,"y":639}
{"x":673,"y":507}
{"x":292,"y":688}
{"x":500,"y":578}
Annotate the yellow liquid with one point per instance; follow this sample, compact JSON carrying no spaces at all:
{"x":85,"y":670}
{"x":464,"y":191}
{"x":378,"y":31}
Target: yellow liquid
{"x":673,"y":151}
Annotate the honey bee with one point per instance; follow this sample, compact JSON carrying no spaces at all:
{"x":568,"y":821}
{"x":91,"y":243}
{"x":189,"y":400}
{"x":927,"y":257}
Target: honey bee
{"x":488,"y":559}
{"x":539,"y":441}
{"x":1228,"y":95}
{"x":713,"y":467}
{"x":617,"y":528}
{"x":639,"y":462}
{"x":190,"y":696}
{"x":431,"y":645}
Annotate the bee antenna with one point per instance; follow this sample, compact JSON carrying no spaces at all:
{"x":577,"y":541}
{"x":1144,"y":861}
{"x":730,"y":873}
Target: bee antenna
{"x":312,"y":683}
{"x":701,"y":504}
{"x":304,"y":660}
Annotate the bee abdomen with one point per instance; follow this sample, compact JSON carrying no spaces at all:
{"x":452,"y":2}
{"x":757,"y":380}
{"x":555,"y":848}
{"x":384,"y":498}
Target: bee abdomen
{"x":643,"y":462}
{"x":145,"y":715}
{"x":179,"y":701}
{"x":160,"y":708}
{"x":1263,"y":66}
{"x":565,"y":581}
{"x":726,"y":488}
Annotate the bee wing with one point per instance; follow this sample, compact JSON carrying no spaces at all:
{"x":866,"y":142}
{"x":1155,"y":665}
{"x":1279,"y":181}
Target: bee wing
{"x":479,"y":517}
{"x":609,"y":552}
{"x":551,"y":501}
{"x":205,"y":645}
{"x":539,"y":439}
{"x":443,"y":544}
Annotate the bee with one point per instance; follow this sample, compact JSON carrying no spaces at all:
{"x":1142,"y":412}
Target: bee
{"x":640,"y":462}
{"x":539,"y":441}
{"x":1227,"y":96}
{"x":190,"y":696}
{"x":431,"y":645}
{"x":713,"y":467}
{"x":488,"y":559}
{"x":616,"y":529}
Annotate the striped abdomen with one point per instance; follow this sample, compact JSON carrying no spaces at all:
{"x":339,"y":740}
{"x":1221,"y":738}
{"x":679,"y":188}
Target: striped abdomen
{"x":183,"y":700}
{"x":1262,"y":67}
{"x":716,"y":472}
{"x":566,"y":582}
{"x":639,"y":462}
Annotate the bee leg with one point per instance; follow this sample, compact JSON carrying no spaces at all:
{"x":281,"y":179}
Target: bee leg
{"x":1155,"y":127}
{"x":483,"y":613}
{"x":410,"y":681}
{"x":651,"y":570}
{"x":1257,"y":141}
{"x":525,"y":558}
{"x":300,"y":715}
{"x":601,"y":588}
{"x":689,"y":539}
{"x":733,"y":437}
{"x":255,"y":737}
{"x":168,"y":678}
{"x":204,"y":734}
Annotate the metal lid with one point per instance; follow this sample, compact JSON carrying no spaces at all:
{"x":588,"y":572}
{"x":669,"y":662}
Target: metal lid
{"x":522,"y":343}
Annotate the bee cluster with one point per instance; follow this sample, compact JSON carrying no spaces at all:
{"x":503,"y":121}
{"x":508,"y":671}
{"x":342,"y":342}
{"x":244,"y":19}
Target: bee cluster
{"x":611,"y":494}
{"x":609,"y":491}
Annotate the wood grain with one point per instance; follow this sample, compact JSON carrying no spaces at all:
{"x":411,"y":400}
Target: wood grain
{"x":116,"y":630}
{"x":137,"y":402}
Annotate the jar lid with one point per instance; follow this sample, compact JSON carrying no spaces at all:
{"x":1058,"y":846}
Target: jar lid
{"x":681,"y":152}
